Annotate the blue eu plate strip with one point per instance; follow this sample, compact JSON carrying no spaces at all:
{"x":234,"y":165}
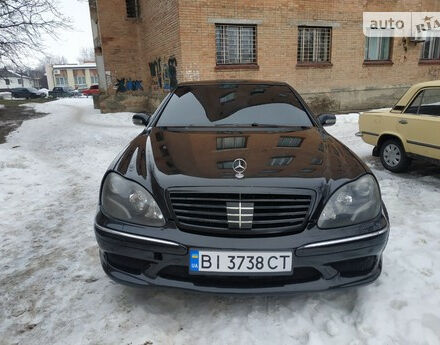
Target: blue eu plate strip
{"x":194,"y":260}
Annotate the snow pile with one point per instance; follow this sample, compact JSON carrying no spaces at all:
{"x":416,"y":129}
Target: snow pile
{"x":5,"y":95}
{"x":53,"y":290}
{"x":2,"y":106}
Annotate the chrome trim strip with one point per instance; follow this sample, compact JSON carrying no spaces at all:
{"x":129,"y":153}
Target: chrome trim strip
{"x":423,"y":144}
{"x":238,"y":208}
{"x":138,"y":237}
{"x":344,"y":240}
{"x":370,"y":133}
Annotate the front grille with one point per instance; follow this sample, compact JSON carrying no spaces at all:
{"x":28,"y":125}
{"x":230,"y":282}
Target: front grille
{"x":240,"y":214}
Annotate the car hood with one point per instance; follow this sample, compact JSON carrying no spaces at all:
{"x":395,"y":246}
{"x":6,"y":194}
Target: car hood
{"x":295,"y":157}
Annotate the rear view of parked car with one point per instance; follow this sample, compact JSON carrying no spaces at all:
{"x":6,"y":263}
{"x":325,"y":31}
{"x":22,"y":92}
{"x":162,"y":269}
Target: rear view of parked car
{"x":411,"y":129}
{"x":25,"y":92}
{"x":93,"y":90}
{"x":62,"y":91}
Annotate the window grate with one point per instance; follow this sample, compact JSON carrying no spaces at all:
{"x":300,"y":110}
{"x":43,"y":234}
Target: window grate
{"x":431,"y":49}
{"x":132,"y":8}
{"x":289,"y":142}
{"x":314,"y":44}
{"x":236,"y":44}
{"x":228,"y":143}
{"x":280,"y":161}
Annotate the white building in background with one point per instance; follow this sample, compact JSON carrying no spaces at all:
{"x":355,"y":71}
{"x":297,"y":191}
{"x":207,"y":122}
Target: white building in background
{"x":80,"y":76}
{"x":11,"y":80}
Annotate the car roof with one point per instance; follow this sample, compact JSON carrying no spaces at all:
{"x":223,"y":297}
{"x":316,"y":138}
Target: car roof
{"x":414,"y":89}
{"x":232,"y":81}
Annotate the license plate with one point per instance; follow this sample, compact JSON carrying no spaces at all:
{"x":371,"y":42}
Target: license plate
{"x":208,"y":261}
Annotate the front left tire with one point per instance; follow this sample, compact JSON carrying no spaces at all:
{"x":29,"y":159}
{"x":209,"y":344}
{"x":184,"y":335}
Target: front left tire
{"x":393,"y":156}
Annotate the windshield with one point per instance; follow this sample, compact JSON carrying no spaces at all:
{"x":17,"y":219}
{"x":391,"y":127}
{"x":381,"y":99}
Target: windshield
{"x":234,"y":105}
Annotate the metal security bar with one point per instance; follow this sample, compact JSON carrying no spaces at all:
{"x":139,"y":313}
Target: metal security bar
{"x":314,"y":44}
{"x":431,"y":49}
{"x":132,"y":7}
{"x":236,"y":44}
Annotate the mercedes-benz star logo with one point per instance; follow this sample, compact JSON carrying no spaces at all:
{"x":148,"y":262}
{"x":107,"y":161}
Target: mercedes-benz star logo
{"x":239,"y":166}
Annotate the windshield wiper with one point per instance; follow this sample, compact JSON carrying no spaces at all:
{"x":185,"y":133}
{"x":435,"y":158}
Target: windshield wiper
{"x":260,"y":125}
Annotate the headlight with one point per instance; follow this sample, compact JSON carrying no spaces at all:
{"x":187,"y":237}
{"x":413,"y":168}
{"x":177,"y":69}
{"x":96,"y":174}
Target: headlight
{"x":129,"y":201}
{"x":353,"y":203}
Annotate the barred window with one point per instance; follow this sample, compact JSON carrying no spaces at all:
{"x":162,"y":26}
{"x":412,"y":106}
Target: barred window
{"x":377,"y":48}
{"x":280,"y":161}
{"x":314,"y":44}
{"x":132,"y":8}
{"x":228,"y":143}
{"x":289,"y":142}
{"x":236,"y":44}
{"x":431,"y":49}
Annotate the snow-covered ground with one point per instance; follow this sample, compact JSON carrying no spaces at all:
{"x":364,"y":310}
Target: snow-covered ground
{"x":53,"y":290}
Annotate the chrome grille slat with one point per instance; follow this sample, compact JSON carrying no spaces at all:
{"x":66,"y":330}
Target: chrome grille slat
{"x":207,"y":213}
{"x":217,"y":213}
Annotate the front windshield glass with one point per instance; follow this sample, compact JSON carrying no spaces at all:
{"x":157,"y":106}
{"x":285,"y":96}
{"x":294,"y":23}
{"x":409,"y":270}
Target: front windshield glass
{"x":234,"y":105}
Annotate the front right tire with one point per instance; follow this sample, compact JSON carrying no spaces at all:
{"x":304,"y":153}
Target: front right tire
{"x":393,"y":156}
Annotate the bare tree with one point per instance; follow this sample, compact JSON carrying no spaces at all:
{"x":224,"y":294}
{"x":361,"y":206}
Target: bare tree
{"x":53,"y":60}
{"x":22,"y":24}
{"x":86,"y":54}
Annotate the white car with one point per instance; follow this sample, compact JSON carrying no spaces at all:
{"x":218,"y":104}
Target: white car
{"x":5,"y":95}
{"x":44,"y":92}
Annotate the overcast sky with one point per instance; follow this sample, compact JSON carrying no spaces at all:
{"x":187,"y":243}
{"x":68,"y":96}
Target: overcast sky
{"x":71,"y":41}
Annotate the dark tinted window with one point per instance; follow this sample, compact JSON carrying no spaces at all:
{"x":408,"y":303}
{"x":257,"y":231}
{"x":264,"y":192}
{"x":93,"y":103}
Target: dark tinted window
{"x":233,"y":104}
{"x":431,"y":102}
{"x":414,"y":107}
{"x":132,"y":8}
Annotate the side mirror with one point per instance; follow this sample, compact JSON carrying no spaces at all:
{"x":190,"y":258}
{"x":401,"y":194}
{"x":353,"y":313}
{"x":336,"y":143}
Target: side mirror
{"x":327,"y":119}
{"x":141,"y":119}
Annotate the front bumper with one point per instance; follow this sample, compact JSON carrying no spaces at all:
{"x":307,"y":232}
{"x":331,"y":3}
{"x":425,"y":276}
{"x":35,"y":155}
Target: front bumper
{"x":322,"y":259}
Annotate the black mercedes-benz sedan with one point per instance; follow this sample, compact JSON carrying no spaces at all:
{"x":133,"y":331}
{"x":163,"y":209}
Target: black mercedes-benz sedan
{"x":236,"y":187}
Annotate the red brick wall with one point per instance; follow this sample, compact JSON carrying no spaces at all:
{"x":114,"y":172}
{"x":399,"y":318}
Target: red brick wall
{"x":181,"y":30}
{"x":130,"y":45}
{"x":277,"y":37}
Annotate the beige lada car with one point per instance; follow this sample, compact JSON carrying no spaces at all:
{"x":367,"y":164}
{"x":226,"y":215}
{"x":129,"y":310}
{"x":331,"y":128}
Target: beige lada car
{"x":411,"y":129}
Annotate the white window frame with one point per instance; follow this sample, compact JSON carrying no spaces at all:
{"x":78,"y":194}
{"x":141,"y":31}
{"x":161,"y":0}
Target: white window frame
{"x":317,"y":45}
{"x":432,"y":48}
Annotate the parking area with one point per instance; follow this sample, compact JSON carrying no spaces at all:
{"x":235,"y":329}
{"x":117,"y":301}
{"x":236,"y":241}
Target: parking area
{"x":12,"y":115}
{"x":53,"y":290}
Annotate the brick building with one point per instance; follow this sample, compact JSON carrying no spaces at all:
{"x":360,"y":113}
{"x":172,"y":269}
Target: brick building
{"x":144,"y":47}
